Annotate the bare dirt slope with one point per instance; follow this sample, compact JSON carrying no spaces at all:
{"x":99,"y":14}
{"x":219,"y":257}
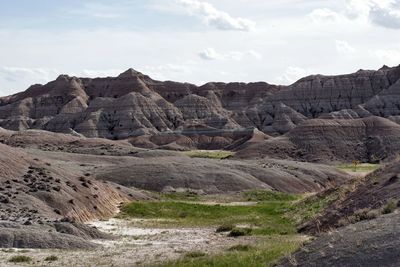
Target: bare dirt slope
{"x":378,"y":188}
{"x":221,"y":176}
{"x":371,"y":243}
{"x":368,"y":140}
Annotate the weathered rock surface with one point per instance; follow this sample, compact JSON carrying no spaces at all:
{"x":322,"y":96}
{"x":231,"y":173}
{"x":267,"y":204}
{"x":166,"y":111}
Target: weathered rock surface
{"x":172,"y":173}
{"x":378,"y":188}
{"x":133,"y":104}
{"x":368,"y":139}
{"x":35,"y":189}
{"x":38,"y":236}
{"x":372,"y":243}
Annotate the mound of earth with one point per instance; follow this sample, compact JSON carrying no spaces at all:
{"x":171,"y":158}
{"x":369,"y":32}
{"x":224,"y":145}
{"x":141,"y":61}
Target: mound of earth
{"x":370,"y":243}
{"x":49,"y":141}
{"x":199,"y":138}
{"x":368,"y":139}
{"x":221,"y":176}
{"x":378,"y":188}
{"x":34,"y":188}
{"x":14,"y":235}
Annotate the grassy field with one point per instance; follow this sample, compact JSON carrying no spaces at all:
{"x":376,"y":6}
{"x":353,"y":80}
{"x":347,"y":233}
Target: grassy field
{"x":262,"y":255}
{"x":209,"y":154}
{"x":363,"y":167}
{"x":274,"y":217}
{"x":274,"y":213}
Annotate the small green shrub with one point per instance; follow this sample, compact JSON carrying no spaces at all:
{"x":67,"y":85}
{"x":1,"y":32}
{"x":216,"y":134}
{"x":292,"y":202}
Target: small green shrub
{"x":195,"y":254}
{"x":20,"y":259}
{"x":51,"y":258}
{"x":236,"y":232}
{"x":359,"y":215}
{"x":264,"y":195}
{"x":390,"y":206}
{"x":225,"y":228}
{"x":240,"y":247}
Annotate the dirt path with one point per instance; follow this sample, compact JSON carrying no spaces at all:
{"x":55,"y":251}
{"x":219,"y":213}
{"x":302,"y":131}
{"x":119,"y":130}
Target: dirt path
{"x":134,"y":246}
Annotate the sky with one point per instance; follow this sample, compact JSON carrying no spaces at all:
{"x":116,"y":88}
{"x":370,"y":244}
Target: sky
{"x":195,"y":41}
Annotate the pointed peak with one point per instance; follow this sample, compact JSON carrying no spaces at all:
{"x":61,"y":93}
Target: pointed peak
{"x":63,"y":77}
{"x":384,"y":67}
{"x":130,"y":73}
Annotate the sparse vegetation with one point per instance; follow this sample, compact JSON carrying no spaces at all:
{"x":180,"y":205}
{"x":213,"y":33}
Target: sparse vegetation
{"x":20,"y":259}
{"x":390,"y":206}
{"x":209,"y":154}
{"x":266,"y":217}
{"x":263,"y":195}
{"x":186,"y":196}
{"x":225,"y":228}
{"x":240,"y":247}
{"x":195,"y":254}
{"x":359,"y":167}
{"x":236,"y":232}
{"x":51,"y":258}
{"x":264,"y":254}
{"x":359,"y":215}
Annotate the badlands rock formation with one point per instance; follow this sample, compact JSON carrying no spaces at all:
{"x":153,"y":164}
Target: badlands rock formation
{"x":133,"y":104}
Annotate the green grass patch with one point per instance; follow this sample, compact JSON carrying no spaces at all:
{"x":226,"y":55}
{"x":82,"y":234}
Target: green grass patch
{"x":20,"y":259}
{"x":209,"y":154}
{"x":181,"y":196}
{"x":262,"y":195}
{"x":51,"y":258}
{"x":363,"y":167}
{"x":267,"y":218}
{"x":240,"y":247}
{"x":195,"y":254}
{"x":264,"y":254}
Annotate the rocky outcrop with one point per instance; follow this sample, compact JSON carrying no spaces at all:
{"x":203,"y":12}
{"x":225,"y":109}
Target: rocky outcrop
{"x":371,"y":243}
{"x":32,"y":190}
{"x":133,"y":104}
{"x":40,"y":237}
{"x":368,"y":139}
{"x":378,"y":188}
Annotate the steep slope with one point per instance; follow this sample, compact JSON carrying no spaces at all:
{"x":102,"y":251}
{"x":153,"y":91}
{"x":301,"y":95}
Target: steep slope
{"x":372,"y":243}
{"x":176,"y":172}
{"x":133,"y":104}
{"x":34,"y":189}
{"x":378,"y":188}
{"x":368,"y":140}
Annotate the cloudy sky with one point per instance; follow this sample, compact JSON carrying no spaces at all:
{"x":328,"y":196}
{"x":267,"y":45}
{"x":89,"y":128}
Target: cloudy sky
{"x":194,"y":40}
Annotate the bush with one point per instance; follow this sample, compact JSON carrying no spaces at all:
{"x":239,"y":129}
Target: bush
{"x":359,"y":215}
{"x":20,"y":258}
{"x":240,"y":247}
{"x":195,"y":254}
{"x":390,"y":206}
{"x":236,"y":232}
{"x":51,"y":258}
{"x":225,"y":228}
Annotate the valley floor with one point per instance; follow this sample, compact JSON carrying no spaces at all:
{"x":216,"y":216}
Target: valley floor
{"x":171,"y":238}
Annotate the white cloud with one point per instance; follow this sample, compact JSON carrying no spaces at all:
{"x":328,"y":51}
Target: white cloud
{"x":99,"y":73}
{"x":214,"y":17}
{"x":324,"y":15}
{"x":344,"y":47}
{"x":13,"y":74}
{"x":211,"y":54}
{"x":98,"y":11}
{"x":387,"y":56}
{"x":293,"y":74}
{"x":384,"y":13}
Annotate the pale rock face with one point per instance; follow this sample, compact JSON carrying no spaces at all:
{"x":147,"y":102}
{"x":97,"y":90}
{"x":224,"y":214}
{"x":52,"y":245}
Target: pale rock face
{"x":133,"y":104}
